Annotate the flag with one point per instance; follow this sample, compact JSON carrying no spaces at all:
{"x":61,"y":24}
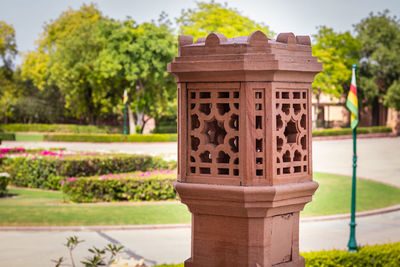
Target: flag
{"x":125,"y":99}
{"x":352,"y":102}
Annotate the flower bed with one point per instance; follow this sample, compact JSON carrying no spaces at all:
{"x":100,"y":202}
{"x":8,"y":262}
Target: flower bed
{"x":21,"y":150}
{"x":137,"y":186}
{"x":46,"y":169}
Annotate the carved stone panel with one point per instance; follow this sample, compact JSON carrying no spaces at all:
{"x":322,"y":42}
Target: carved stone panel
{"x":291,"y":132}
{"x":213,"y":133}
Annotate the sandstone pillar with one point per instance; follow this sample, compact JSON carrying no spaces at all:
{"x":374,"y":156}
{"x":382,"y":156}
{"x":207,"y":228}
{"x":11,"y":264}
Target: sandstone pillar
{"x":244,"y":149}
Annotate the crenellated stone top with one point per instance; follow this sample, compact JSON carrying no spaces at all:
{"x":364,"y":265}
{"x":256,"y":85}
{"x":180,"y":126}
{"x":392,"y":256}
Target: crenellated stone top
{"x":243,"y":58}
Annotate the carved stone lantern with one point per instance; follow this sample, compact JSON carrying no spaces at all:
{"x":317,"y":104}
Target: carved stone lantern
{"x":244,"y":149}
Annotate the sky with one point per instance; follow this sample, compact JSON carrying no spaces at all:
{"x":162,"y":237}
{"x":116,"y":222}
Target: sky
{"x":300,"y":17}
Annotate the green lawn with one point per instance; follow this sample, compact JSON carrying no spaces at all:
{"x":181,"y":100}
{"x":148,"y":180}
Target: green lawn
{"x":36,"y":207}
{"x":28,"y":137}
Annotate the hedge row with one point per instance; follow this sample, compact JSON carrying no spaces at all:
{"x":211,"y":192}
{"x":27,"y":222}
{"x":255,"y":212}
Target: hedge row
{"x":59,"y":128}
{"x":349,"y":131}
{"x":387,"y":255}
{"x":166,"y":129}
{"x":47,"y":171}
{"x":107,"y":138}
{"x":134,"y":188}
{"x":7,"y":136}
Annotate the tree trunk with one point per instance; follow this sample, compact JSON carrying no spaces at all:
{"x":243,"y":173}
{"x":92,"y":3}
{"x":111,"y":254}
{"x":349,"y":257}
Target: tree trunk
{"x":375,"y":112}
{"x":132,"y":129}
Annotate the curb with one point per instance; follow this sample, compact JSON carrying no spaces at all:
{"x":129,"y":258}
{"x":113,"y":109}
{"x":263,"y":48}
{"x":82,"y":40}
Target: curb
{"x":180,"y":226}
{"x":347,"y":215}
{"x":360,"y":136}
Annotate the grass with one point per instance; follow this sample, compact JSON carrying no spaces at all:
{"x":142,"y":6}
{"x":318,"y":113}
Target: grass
{"x":334,"y":195}
{"x":37,"y":207}
{"x":28,"y":137}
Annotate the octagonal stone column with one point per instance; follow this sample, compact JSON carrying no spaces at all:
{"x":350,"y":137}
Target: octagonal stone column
{"x":244,"y":146}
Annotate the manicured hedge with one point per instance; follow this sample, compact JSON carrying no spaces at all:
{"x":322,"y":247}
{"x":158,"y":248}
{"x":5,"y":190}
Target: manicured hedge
{"x":387,"y":255}
{"x":166,"y":129}
{"x":107,"y":138}
{"x":136,"y":188}
{"x":349,"y":131}
{"x":59,"y":128}
{"x":47,"y":171}
{"x":7,"y":136}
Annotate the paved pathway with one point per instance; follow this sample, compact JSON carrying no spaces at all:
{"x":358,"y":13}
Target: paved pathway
{"x":158,"y":246}
{"x":379,"y":159}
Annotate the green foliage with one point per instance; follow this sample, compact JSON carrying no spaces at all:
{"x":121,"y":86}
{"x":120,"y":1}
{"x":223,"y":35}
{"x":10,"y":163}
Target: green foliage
{"x":92,"y":59}
{"x":47,"y":172}
{"x":215,"y":17}
{"x":59,"y":128}
{"x":107,"y":138}
{"x":93,"y":189}
{"x":338,"y":52}
{"x":8,"y":51}
{"x":4,"y":179}
{"x":168,"y":128}
{"x":7,"y":136}
{"x":377,"y":255}
{"x":349,"y":131}
{"x":387,"y":255}
{"x":8,"y":46}
{"x":135,"y":57}
{"x":379,"y":35}
{"x":98,"y":256}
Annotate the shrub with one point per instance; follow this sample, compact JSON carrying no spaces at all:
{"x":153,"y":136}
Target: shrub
{"x":47,"y":171}
{"x":166,"y":129}
{"x":7,"y":136}
{"x":4,"y":178}
{"x":377,"y":255}
{"x":60,"y":128}
{"x":157,"y":185}
{"x":387,"y":255}
{"x":107,"y":138}
{"x":349,"y":131}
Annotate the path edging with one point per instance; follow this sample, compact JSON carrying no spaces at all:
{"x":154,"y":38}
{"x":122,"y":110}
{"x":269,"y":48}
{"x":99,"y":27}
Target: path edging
{"x":178,"y":226}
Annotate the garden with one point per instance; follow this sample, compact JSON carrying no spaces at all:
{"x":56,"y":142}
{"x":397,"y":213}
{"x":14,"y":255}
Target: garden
{"x":57,"y":187}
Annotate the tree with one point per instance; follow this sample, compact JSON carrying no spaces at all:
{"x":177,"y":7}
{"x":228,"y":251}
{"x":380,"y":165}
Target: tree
{"x":64,"y":58}
{"x":338,"y":52}
{"x":135,"y":58}
{"x":92,"y":59}
{"x":8,"y":50}
{"x":379,"y":36}
{"x":215,"y":17}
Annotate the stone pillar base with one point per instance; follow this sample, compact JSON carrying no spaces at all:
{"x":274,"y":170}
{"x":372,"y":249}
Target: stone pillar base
{"x":240,"y":226}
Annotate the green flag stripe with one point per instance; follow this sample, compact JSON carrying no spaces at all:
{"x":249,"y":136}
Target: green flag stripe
{"x":354,"y":123}
{"x":353,"y":109}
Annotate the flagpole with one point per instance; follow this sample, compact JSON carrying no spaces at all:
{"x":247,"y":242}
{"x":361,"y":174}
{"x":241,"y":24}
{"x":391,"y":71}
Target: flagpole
{"x":352,"y":245}
{"x":125,"y":128}
{"x":125,"y":102}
